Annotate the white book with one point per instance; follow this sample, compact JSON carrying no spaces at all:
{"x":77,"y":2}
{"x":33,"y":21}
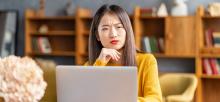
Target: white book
{"x":147,"y":44}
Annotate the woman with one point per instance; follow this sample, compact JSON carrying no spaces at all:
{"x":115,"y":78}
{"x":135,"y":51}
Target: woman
{"x":111,"y":43}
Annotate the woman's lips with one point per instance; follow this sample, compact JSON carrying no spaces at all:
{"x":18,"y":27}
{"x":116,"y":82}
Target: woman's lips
{"x":114,"y":42}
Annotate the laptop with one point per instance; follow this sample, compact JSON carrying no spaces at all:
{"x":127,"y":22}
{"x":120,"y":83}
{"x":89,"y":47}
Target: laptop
{"x":96,"y":84}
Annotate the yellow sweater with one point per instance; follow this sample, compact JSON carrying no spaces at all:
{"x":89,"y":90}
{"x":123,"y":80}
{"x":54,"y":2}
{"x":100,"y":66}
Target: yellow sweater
{"x":148,"y":82}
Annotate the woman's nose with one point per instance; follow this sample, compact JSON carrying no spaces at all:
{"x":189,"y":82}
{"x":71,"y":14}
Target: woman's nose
{"x":113,"y":33}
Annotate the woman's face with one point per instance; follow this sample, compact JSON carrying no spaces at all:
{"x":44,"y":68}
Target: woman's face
{"x":111,"y":32}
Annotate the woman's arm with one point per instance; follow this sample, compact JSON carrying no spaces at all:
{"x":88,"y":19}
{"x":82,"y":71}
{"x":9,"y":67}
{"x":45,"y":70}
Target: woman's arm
{"x":97,"y":63}
{"x":105,"y":55}
{"x":150,"y":81}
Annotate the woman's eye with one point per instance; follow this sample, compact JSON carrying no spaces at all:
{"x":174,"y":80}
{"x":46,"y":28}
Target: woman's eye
{"x":104,"y":28}
{"x":119,"y":27}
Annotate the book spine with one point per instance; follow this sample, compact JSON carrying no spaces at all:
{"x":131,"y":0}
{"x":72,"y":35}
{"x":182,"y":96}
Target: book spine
{"x":213,"y":66}
{"x":206,"y":67}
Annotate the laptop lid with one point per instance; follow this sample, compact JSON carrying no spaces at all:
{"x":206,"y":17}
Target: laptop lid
{"x":96,"y":84}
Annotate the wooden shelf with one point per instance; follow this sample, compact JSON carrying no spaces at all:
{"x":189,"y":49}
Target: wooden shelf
{"x":173,"y":56}
{"x":151,"y":17}
{"x":86,"y":17}
{"x":84,"y":54}
{"x":210,"y":76}
{"x":210,"y":50}
{"x":55,"y":53}
{"x":86,"y":32}
{"x":53,"y":18}
{"x":210,"y":55}
{"x":55,"y":33}
{"x":210,"y":17}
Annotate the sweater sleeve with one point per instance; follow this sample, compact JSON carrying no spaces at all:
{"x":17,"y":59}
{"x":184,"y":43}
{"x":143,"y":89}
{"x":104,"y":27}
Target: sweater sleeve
{"x":97,"y":63}
{"x":150,"y":81}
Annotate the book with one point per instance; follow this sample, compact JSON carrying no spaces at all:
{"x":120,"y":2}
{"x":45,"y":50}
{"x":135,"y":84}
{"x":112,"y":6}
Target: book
{"x":35,"y":47}
{"x":160,"y":42}
{"x":213,"y":66}
{"x":146,"y":44}
{"x":209,"y":38}
{"x":216,"y":39}
{"x":154,"y":45}
{"x":217,"y":66}
{"x":206,"y":67}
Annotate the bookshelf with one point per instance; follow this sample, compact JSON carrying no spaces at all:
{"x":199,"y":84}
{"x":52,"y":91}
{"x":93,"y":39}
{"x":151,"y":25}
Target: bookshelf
{"x":69,"y":35}
{"x":208,"y":88}
{"x":66,"y":34}
{"x":175,"y":32}
{"x":179,"y":34}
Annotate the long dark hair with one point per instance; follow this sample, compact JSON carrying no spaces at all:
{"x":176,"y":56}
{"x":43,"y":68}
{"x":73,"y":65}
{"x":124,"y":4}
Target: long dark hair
{"x":95,"y":46}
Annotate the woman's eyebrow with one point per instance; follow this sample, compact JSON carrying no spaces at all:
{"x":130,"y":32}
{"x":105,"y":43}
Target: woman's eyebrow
{"x":118,"y":24}
{"x":105,"y":25}
{"x":113,"y":24}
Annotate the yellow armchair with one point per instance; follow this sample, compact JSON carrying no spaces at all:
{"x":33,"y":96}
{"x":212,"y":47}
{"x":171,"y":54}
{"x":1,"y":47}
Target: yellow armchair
{"x":178,"y":87}
{"x":48,"y":68}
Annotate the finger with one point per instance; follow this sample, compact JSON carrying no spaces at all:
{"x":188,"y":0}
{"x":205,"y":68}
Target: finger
{"x":115,"y":57}
{"x":112,"y":56}
{"x":118,"y":56}
{"x":117,"y":52}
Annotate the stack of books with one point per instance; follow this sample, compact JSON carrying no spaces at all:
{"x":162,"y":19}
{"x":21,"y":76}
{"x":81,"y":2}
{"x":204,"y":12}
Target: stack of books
{"x":212,"y":38}
{"x":211,"y":66}
{"x":153,"y":44}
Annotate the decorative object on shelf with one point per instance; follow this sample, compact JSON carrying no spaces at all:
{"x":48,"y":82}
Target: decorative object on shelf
{"x":154,"y":11}
{"x":45,"y":45}
{"x":162,"y":11}
{"x":180,"y":8}
{"x":21,"y":80}
{"x":214,"y":9}
{"x":41,"y":11}
{"x":70,"y":8}
{"x":148,"y":11}
{"x":42,"y":45}
{"x":43,"y":29}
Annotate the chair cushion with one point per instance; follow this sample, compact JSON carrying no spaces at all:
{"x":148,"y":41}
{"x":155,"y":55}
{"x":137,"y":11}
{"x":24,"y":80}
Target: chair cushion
{"x":48,"y":68}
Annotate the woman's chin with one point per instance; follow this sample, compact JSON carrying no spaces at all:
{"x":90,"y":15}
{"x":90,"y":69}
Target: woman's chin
{"x":116,"y":48}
